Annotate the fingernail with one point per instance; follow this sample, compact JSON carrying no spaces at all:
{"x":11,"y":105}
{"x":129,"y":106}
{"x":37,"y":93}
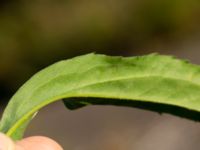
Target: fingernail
{"x":6,"y":143}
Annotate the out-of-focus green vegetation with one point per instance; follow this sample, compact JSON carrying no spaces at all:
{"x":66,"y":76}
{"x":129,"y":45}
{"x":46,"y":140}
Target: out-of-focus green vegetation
{"x":34,"y":34}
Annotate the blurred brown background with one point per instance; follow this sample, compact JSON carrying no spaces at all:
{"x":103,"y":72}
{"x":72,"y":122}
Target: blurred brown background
{"x":35,"y":34}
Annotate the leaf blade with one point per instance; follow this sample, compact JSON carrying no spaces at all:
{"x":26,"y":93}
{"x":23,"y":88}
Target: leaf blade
{"x":153,"y":78}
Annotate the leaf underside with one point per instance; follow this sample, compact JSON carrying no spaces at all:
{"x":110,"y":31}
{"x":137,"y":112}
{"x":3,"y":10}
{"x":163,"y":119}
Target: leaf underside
{"x":153,"y":82}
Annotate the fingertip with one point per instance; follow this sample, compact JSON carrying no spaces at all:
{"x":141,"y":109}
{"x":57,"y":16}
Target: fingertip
{"x":6,"y":143}
{"x":39,"y":143}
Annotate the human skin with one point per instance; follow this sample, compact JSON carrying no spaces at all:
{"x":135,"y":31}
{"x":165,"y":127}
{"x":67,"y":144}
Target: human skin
{"x":30,"y":143}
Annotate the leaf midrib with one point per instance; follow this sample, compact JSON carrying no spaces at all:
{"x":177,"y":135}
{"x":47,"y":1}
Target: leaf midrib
{"x":64,"y":95}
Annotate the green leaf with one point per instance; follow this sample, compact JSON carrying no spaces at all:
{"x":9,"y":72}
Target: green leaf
{"x":154,"y":82}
